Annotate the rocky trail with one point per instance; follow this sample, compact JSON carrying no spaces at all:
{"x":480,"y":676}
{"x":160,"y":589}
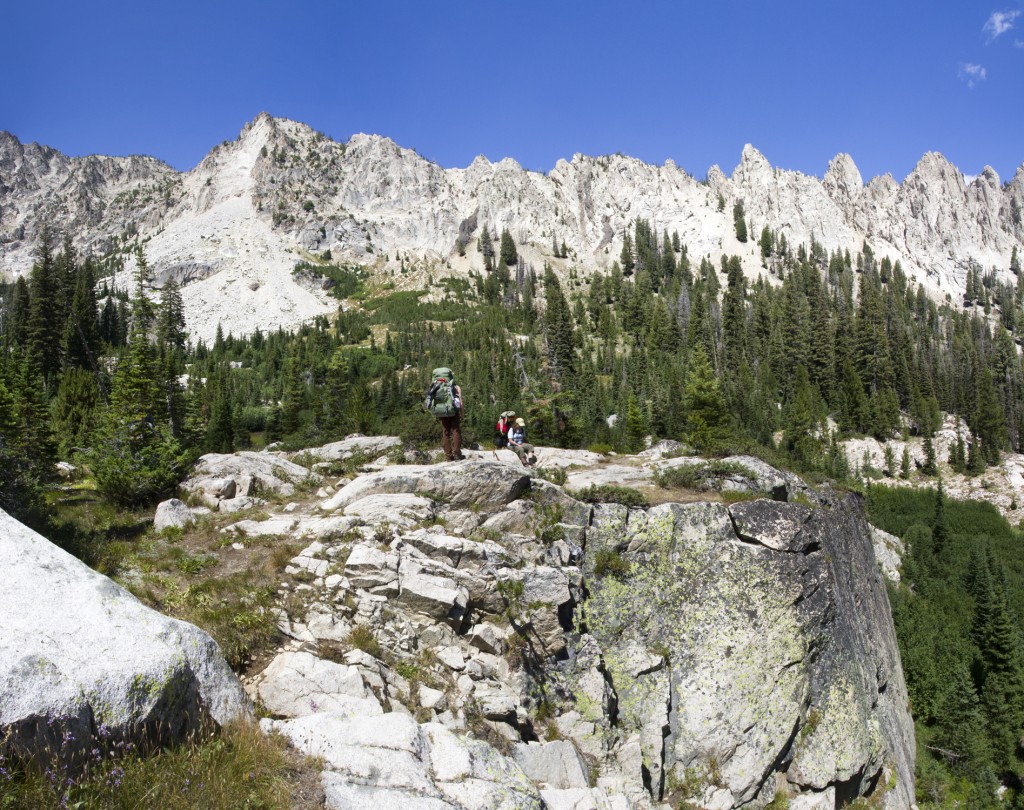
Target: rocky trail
{"x":472,"y":635}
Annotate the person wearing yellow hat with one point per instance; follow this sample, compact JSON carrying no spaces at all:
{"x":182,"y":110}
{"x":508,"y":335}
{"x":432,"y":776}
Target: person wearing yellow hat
{"x":518,"y":444}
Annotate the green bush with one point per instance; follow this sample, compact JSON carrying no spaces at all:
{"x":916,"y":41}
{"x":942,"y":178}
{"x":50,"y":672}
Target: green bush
{"x":137,"y":464}
{"x":610,"y":563}
{"x":686,"y":476}
{"x":609,"y":493}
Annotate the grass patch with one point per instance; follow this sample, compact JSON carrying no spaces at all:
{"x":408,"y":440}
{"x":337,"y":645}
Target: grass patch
{"x":362,"y":638}
{"x":235,"y":767}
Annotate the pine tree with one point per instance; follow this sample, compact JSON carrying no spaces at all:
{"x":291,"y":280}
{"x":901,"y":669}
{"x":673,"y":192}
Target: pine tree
{"x":45,"y":325}
{"x":486,"y":247}
{"x":905,"y":464}
{"x":558,"y":330}
{"x":962,"y":726}
{"x":81,"y":340}
{"x":220,"y":433}
{"x":508,"y":249}
{"x":636,"y":427}
{"x":20,"y":471}
{"x":940,"y":532}
{"x":706,"y":415}
{"x":74,"y":409}
{"x":739,"y":221}
{"x":136,"y":459}
{"x":800,"y":422}
{"x":626,"y":257}
{"x":929,"y":467}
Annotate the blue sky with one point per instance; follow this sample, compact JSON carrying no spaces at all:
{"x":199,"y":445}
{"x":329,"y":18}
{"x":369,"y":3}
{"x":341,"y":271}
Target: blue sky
{"x":537,"y":81}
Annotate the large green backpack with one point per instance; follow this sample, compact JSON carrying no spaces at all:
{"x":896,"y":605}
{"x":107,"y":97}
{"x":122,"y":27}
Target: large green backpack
{"x":441,"y":397}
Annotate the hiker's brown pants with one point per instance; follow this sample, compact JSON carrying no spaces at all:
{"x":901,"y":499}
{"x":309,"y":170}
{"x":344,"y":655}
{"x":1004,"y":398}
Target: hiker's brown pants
{"x":451,"y":436}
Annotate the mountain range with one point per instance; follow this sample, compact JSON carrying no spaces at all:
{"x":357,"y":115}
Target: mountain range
{"x":232,"y":229}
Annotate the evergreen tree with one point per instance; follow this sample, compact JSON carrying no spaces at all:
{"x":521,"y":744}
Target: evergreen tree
{"x":81,"y":339}
{"x":45,"y":325}
{"x":739,"y":221}
{"x":136,"y":460}
{"x":905,"y":464}
{"x":929,"y":467}
{"x":558,"y":330}
{"x":706,"y":415}
{"x":508,"y":249}
{"x":626,"y":257}
{"x":220,"y":433}
{"x":75,"y":410}
{"x":940,"y":532}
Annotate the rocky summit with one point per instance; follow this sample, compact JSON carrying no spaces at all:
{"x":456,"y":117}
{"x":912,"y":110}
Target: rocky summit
{"x":233,"y":228}
{"x":470,"y":635}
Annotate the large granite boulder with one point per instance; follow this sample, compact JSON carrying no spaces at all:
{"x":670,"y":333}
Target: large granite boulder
{"x":221,"y":476}
{"x":353,"y":446}
{"x":480,"y":484}
{"x":82,"y":657}
{"x":748,"y":641}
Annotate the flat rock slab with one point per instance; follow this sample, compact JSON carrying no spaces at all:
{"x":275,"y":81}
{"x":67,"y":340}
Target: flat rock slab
{"x":369,"y":446}
{"x":774,"y":525}
{"x":619,"y":475}
{"x":402,"y":510}
{"x":78,"y":651}
{"x":297,"y":684}
{"x":555,"y":765}
{"x":461,"y":484}
{"x":303,"y":526}
{"x":393,"y":762}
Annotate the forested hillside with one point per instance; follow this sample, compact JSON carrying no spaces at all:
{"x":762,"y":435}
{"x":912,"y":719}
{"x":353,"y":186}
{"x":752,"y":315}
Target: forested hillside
{"x":821,"y":347}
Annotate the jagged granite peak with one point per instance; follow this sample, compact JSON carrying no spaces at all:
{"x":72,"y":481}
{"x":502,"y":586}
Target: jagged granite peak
{"x":233,"y":228}
{"x":843,"y":179}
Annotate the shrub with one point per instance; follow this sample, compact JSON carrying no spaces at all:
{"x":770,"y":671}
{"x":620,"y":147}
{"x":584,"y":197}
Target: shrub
{"x":688,"y":476}
{"x":609,"y":493}
{"x":610,"y":563}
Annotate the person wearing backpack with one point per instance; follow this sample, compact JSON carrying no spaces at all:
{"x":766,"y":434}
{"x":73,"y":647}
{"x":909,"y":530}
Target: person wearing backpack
{"x":444,"y":400}
{"x":502,"y":428}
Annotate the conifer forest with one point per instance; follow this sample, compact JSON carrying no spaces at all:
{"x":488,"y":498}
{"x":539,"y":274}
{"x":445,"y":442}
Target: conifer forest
{"x":783,"y":363}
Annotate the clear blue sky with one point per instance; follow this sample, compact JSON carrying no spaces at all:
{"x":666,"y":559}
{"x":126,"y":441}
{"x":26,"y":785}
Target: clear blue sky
{"x":884,"y":80}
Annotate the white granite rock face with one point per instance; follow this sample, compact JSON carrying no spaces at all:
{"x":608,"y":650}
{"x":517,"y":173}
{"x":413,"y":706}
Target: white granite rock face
{"x":213,"y":228}
{"x":78,"y":652}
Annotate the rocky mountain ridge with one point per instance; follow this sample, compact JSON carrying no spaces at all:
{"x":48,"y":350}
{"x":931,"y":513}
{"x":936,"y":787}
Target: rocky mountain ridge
{"x":233,"y":227}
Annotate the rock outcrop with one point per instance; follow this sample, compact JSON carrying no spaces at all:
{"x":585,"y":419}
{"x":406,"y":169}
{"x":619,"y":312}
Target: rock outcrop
{"x":612,"y":657}
{"x":84,"y":664}
{"x":231,"y":229}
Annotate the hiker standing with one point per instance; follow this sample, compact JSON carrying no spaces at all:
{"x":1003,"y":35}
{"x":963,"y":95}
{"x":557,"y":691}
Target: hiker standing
{"x":444,"y":400}
{"x":518,"y":444}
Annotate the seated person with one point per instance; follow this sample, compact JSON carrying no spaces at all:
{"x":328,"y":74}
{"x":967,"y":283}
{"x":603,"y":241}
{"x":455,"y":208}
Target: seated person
{"x":517,"y":443}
